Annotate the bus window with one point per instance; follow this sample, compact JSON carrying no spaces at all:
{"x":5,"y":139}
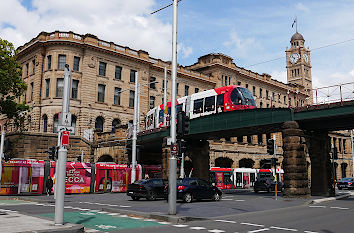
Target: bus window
{"x":220,"y":103}
{"x":209,"y":105}
{"x":198,"y":106}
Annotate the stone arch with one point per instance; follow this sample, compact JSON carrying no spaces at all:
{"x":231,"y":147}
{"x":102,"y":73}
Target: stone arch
{"x":223,"y":162}
{"x":115,"y":124}
{"x":246,"y":162}
{"x":105,"y":158}
{"x":99,"y":123}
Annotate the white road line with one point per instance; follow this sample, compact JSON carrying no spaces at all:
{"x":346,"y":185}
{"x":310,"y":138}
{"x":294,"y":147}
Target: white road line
{"x":113,"y":214}
{"x":137,"y":218}
{"x":251,"y":224}
{"x":85,"y":209}
{"x":216,"y":231}
{"x":282,"y":228}
{"x":317,"y":206}
{"x":102,"y":212}
{"x":112,"y":205}
{"x":197,"y":228}
{"x":68,"y":207}
{"x":124,"y":206}
{"x":180,"y":225}
{"x":239,"y":200}
{"x":259,"y":230}
{"x":123,"y":216}
{"x":310,"y":231}
{"x":164,"y":223}
{"x":91,"y":230}
{"x":221,"y":220}
{"x":149,"y":220}
{"x":340,"y":208}
{"x":227,"y":199}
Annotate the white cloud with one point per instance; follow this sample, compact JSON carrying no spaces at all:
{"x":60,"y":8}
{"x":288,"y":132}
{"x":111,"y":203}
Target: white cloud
{"x":127,"y":23}
{"x":279,"y":75}
{"x":302,"y":7}
{"x":185,"y":50}
{"x":240,"y":46}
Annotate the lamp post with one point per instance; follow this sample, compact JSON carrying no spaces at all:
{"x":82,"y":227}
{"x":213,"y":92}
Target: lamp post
{"x":352,"y":143}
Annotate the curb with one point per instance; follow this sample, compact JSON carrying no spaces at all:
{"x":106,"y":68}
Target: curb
{"x":330,"y":198}
{"x":77,"y":228}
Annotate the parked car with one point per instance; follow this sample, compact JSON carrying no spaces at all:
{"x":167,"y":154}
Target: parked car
{"x":345,"y":183}
{"x":268,"y":185}
{"x":147,"y":188}
{"x":189,"y":189}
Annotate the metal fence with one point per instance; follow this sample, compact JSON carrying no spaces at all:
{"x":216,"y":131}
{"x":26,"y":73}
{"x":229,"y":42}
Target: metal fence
{"x":333,"y":94}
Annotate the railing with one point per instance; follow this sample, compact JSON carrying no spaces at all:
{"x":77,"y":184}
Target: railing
{"x":333,"y":94}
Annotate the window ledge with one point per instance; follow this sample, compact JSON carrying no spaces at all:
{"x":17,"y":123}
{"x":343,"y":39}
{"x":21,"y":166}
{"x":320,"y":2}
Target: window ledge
{"x":101,"y":103}
{"x":101,"y":76}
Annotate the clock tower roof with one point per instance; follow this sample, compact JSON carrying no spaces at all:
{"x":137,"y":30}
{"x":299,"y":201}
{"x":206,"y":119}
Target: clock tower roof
{"x":297,"y":36}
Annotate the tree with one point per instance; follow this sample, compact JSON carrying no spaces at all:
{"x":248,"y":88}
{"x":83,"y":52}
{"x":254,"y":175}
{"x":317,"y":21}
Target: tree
{"x":11,"y":84}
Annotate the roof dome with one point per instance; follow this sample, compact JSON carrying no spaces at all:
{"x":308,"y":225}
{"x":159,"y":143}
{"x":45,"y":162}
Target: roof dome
{"x":297,"y":36}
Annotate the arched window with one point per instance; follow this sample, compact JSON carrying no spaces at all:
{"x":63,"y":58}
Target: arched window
{"x":73,"y":123}
{"x":99,"y":123}
{"x":45,"y":123}
{"x":55,"y":123}
{"x":115,"y":124}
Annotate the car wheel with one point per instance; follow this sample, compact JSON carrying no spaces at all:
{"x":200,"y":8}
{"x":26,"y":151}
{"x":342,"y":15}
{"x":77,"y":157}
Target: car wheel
{"x":217,"y":197}
{"x":187,"y":197}
{"x":135,"y":198}
{"x":151,"y":196}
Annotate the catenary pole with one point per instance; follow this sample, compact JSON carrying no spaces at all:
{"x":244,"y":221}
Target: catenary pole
{"x":62,"y":153}
{"x":133,"y":177}
{"x":2,"y":150}
{"x":165,"y":94}
{"x":352,"y":143}
{"x":173,"y":160}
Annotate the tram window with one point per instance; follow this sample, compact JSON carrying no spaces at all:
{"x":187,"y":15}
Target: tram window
{"x":227,"y":178}
{"x":198,"y":106}
{"x":178,"y":108}
{"x":161,"y":116}
{"x":209,"y":105}
{"x":236,"y":97}
{"x":220,"y":103}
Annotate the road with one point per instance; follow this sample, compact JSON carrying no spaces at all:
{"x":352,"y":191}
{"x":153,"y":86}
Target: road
{"x":237,"y":212}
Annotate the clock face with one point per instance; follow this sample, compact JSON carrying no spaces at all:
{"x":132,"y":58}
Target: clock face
{"x":306,"y":58}
{"x":294,"y":58}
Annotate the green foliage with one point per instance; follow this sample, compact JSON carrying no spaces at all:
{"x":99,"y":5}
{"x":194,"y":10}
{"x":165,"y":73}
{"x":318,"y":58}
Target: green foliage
{"x":11,"y":84}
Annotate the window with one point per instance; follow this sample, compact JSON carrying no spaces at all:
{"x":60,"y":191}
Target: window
{"x":289,"y":101}
{"x":115,"y":124}
{"x":33,"y":66}
{"x":249,"y":139}
{"x":27,"y":67}
{"x":74,"y":89}
{"x":102,"y":69}
{"x":60,"y":87}
{"x":240,"y":139}
{"x":273,"y":96}
{"x":117,"y":92}
{"x":261,"y":105}
{"x":132,"y":76}
{"x":55,"y":123}
{"x":49,"y":62}
{"x":209,"y":105}
{"x":31,"y":91}
{"x":260,"y":92}
{"x":99,"y":123}
{"x":239,"y":83}
{"x":284,"y":99}
{"x":186,"y":90}
{"x":196,"y":90}
{"x":260,"y":139}
{"x":177,"y":87}
{"x":254,"y":90}
{"x":220,"y":103}
{"x":45,"y":123}
{"x":61,"y":61}
{"x":76,"y":63}
{"x":247,"y":85}
{"x":47,"y":87}
{"x":131,"y":98}
{"x":118,"y":73}
{"x":163,"y":84}
{"x":225,"y":80}
{"x":152,"y":82}
{"x":100,"y":93}
{"x":267,"y":94}
{"x":152,"y":102}
{"x":198,"y":106}
{"x":73,"y":122}
{"x":279,"y":98}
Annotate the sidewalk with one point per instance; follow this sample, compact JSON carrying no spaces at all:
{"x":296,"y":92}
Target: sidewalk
{"x":12,"y":221}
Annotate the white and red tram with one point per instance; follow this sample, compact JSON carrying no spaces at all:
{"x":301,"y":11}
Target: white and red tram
{"x":223,"y":99}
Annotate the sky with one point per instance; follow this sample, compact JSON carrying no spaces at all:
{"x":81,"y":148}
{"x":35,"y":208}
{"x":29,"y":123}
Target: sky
{"x":252,"y":32}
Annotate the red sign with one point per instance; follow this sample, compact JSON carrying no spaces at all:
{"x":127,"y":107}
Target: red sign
{"x":65,"y":138}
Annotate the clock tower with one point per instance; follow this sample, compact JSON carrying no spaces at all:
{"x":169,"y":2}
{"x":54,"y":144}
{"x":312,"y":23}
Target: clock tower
{"x":298,"y":64}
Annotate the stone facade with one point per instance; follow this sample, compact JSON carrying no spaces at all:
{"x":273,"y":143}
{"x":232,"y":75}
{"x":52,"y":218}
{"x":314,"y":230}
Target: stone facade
{"x":101,"y":93}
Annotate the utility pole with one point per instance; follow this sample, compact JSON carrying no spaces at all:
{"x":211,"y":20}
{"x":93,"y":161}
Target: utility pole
{"x":173,"y":160}
{"x":65,"y":121}
{"x":275,"y":169}
{"x":351,"y":142}
{"x":133,"y":177}
{"x":165,"y":95}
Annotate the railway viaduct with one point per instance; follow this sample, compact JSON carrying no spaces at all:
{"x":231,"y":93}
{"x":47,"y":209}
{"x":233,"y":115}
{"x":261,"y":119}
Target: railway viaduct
{"x":304,"y":130}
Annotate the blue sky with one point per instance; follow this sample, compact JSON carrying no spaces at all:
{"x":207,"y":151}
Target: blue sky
{"x":250,"y":31}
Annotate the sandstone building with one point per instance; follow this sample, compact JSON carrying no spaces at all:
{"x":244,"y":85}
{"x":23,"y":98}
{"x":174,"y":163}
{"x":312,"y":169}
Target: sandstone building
{"x":102,"y":96}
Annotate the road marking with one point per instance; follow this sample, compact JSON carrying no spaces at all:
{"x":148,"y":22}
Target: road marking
{"x":317,"y":206}
{"x":102,"y":212}
{"x":85,"y":209}
{"x":216,"y":231}
{"x":227,"y":199}
{"x":259,"y":230}
{"x":124,"y":206}
{"x":239,"y":200}
{"x":149,"y":220}
{"x":251,"y":224}
{"x":282,"y":228}
{"x":137,"y":218}
{"x":112,"y":205}
{"x":68,"y":207}
{"x":310,"y":231}
{"x":164,"y":223}
{"x":221,"y":220}
{"x":340,"y":208}
{"x":91,"y":230}
{"x":113,"y":214}
{"x":180,"y":225}
{"x":197,"y":228}
{"x":123,"y":216}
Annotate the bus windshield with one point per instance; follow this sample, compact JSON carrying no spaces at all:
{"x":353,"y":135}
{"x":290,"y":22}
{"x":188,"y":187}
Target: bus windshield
{"x":247,"y":96}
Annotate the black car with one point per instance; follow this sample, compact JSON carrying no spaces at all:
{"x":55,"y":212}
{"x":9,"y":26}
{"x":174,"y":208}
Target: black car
{"x":189,"y":189}
{"x":345,"y":183}
{"x":149,"y":189}
{"x":268,"y":185}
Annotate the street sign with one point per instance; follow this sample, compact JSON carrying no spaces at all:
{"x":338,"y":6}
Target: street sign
{"x":65,"y":138}
{"x":174,"y":148}
{"x":65,"y":119}
{"x":66,"y":128}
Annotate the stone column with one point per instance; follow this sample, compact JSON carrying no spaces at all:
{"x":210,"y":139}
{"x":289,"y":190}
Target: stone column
{"x":294,"y":161}
{"x":321,"y":166}
{"x":198,"y":151}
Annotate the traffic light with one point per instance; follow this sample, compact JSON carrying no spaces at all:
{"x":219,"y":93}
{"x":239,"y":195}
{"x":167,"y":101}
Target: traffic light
{"x":186,"y":124}
{"x":7,"y":149}
{"x":182,"y":147}
{"x":52,"y":152}
{"x":270,"y":146}
{"x":180,"y":124}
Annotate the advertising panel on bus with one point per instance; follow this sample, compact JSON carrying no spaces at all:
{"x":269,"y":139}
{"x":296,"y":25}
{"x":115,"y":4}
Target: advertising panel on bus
{"x":22,"y":176}
{"x":114,"y":177}
{"x":78,"y":176}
